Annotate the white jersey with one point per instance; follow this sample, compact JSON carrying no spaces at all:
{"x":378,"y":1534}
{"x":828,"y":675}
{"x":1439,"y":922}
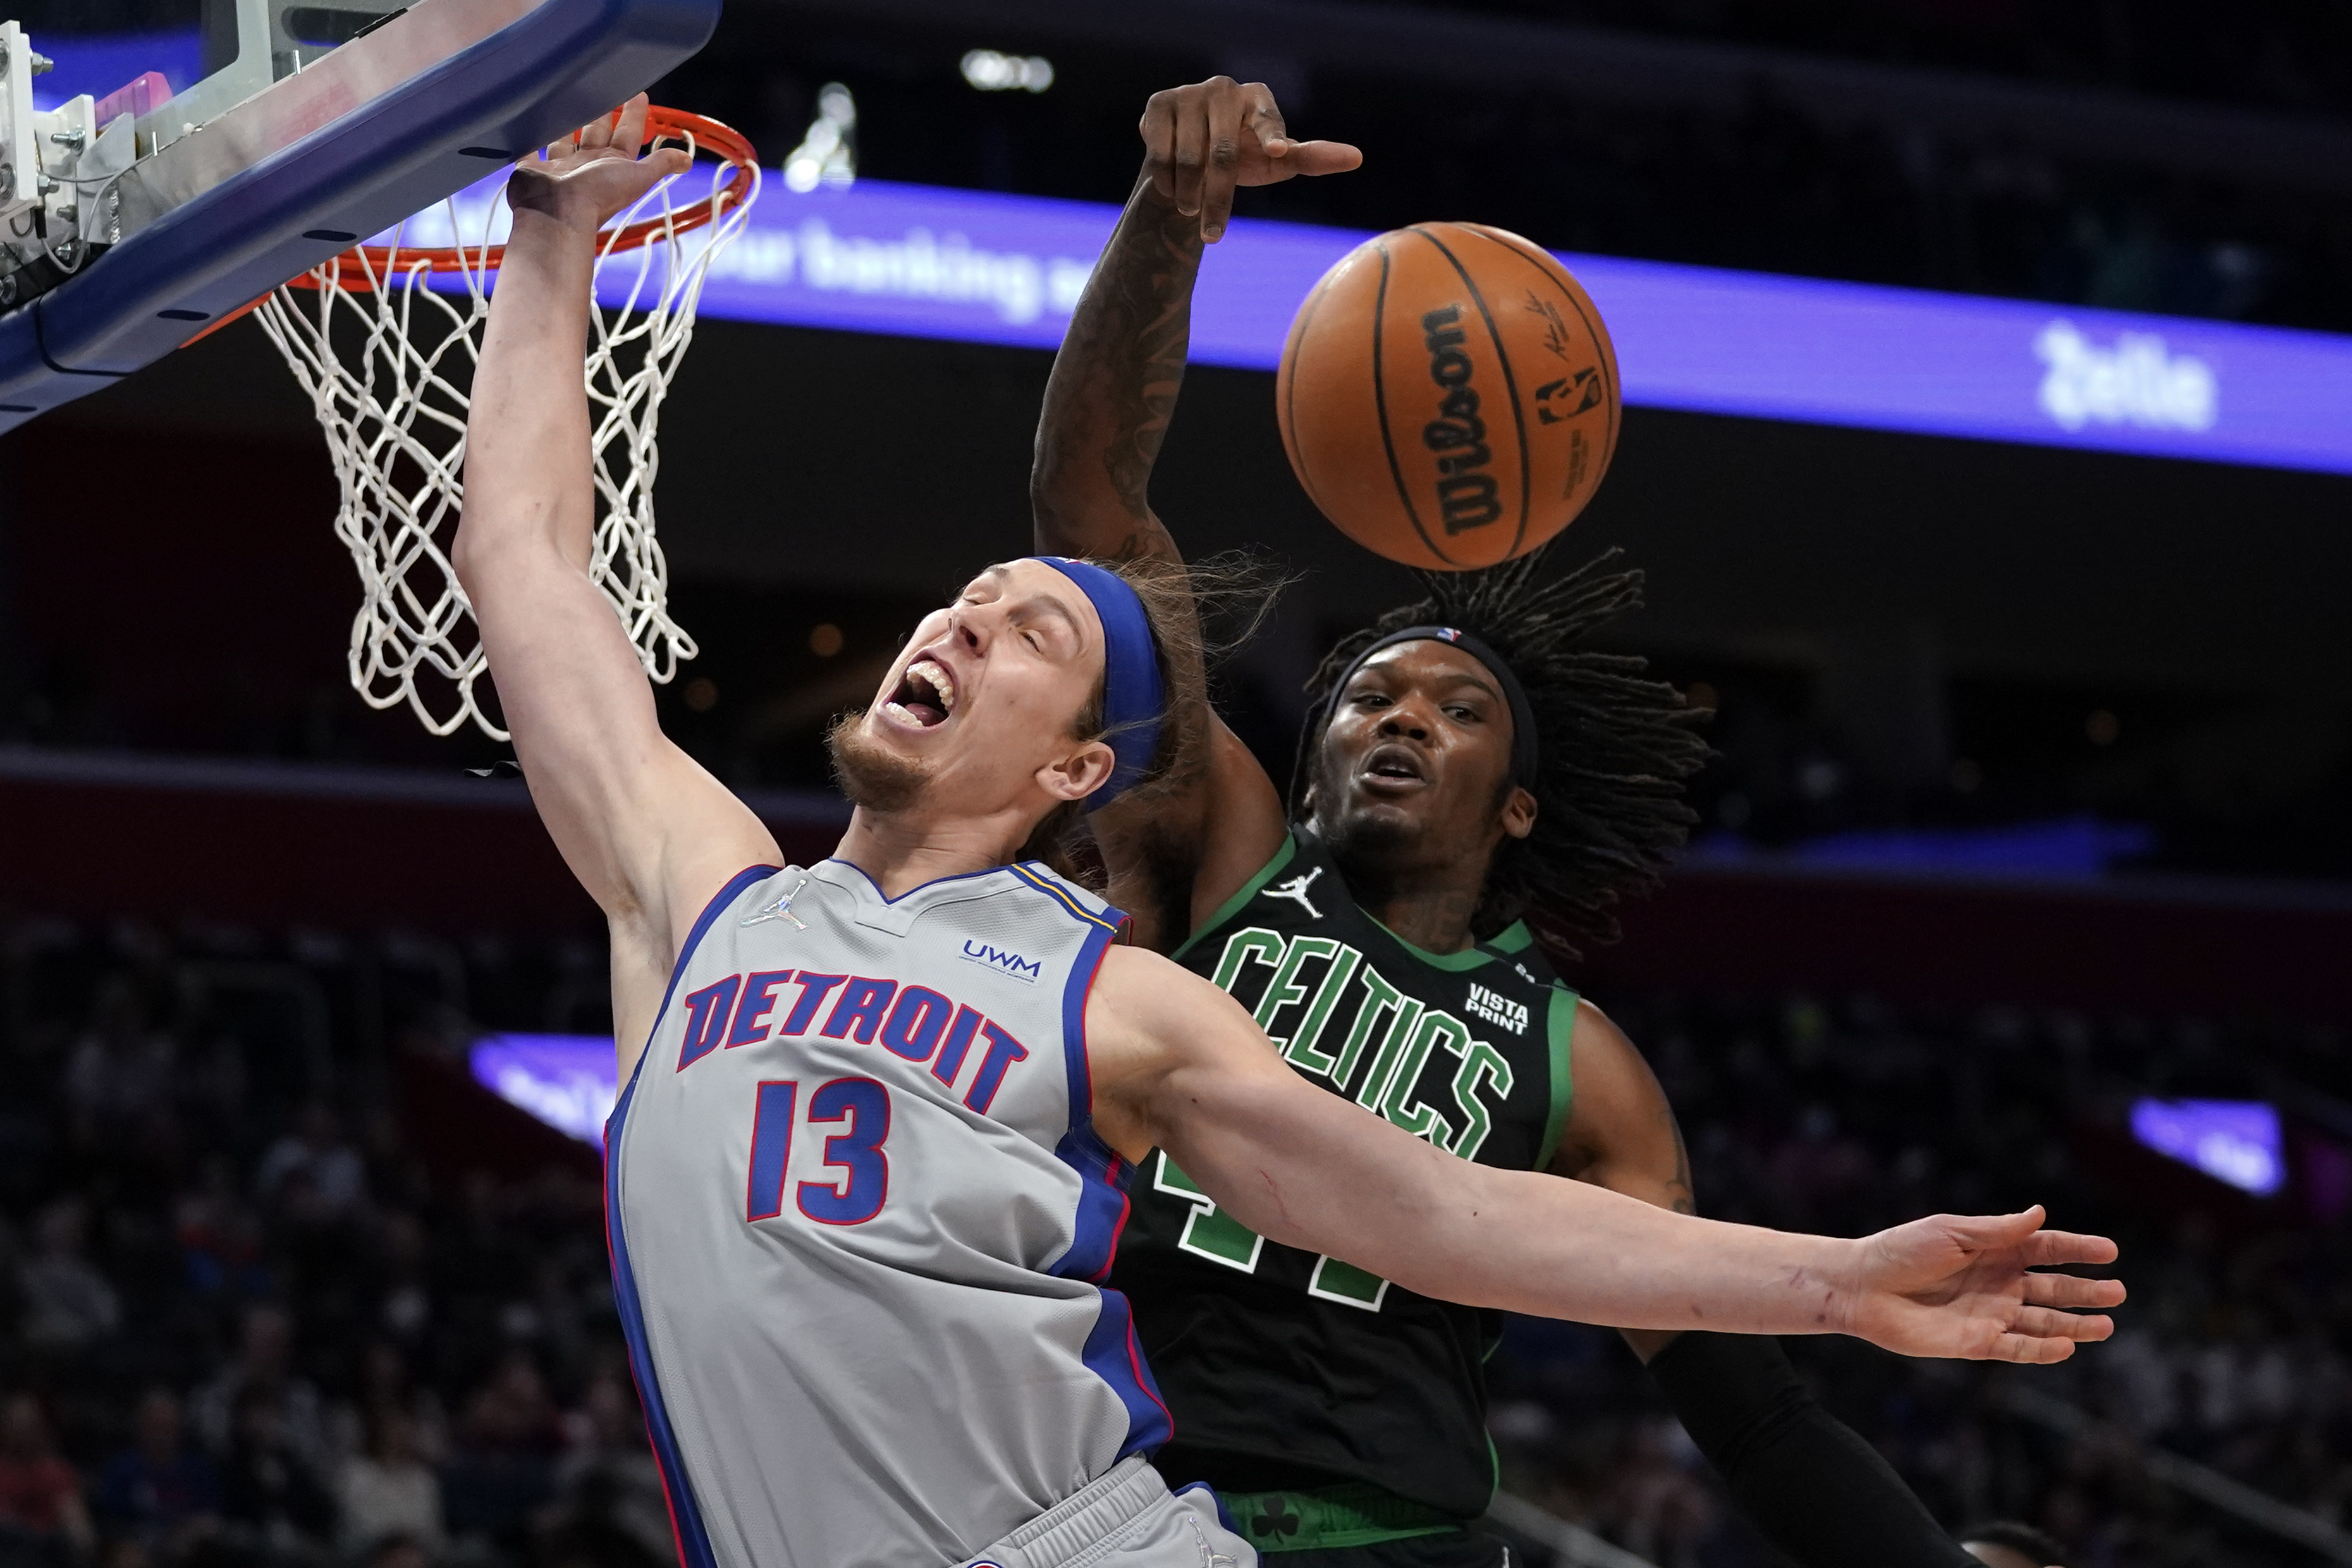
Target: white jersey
{"x":858,"y":1217}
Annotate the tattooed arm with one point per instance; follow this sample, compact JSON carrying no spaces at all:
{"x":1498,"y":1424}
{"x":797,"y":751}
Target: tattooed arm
{"x":1115,"y":381}
{"x":1114,"y":389}
{"x":1107,"y":407}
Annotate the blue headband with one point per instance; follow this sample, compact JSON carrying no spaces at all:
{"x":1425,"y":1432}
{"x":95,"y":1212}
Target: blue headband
{"x":1133,"y":704}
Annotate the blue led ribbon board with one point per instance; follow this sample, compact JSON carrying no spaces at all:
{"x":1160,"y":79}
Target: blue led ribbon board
{"x":2236,"y":1141}
{"x":569,"y":1081}
{"x":918,"y":262}
{"x":923,"y":262}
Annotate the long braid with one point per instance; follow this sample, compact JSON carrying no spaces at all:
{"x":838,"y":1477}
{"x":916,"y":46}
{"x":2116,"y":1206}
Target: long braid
{"x":1615,"y":745}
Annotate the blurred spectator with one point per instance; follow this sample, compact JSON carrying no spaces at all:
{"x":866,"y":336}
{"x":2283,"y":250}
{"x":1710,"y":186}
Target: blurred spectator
{"x":404,"y":1255}
{"x":264,"y":1369}
{"x":159,"y":1491}
{"x":277,"y":1508}
{"x":69,"y":1305}
{"x":383,"y":1385}
{"x":501,"y":1472}
{"x":42,"y":1520}
{"x":387,"y":1490}
{"x":121,"y":1070}
{"x":607,"y":1480}
{"x":316,"y":1153}
{"x":1657,"y":1506}
{"x":218,"y":1236}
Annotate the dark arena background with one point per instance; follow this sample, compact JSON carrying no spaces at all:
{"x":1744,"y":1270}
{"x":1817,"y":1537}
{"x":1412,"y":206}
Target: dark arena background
{"x":2025,"y":871}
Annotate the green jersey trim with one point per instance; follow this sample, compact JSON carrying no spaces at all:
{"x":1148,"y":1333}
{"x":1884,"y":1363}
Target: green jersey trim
{"x":1242,"y":895}
{"x":1514,"y":938}
{"x":1562,"y":1027}
{"x":1324,"y":1519}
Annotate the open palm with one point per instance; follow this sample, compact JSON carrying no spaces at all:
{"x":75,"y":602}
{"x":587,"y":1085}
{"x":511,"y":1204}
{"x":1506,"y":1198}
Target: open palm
{"x":595,"y":173}
{"x":1946,"y":1285}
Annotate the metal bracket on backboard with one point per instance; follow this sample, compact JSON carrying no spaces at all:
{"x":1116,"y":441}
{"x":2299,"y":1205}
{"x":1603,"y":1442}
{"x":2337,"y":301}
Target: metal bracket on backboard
{"x":396,"y":118}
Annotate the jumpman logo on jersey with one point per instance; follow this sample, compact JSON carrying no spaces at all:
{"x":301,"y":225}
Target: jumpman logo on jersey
{"x":1295,"y":889}
{"x":781,"y":910}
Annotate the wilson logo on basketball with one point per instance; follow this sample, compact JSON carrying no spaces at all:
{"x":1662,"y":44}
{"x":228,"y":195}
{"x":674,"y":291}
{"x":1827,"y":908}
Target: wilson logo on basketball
{"x":1466,"y":499}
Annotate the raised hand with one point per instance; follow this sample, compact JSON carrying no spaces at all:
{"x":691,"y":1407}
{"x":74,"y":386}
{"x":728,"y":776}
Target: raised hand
{"x":583,"y":180}
{"x":1202,"y":141}
{"x":1947,"y":1286}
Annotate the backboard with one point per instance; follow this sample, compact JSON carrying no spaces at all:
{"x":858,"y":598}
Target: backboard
{"x":130,"y":220}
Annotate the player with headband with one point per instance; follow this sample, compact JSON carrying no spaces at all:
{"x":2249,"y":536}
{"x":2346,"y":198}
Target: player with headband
{"x":1469,"y":770}
{"x":865,"y":1177}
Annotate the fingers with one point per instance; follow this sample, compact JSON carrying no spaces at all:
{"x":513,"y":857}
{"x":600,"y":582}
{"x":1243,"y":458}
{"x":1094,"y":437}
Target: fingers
{"x":1225,"y":114}
{"x":1192,"y":147}
{"x":2051,"y":1246}
{"x":628,"y":133}
{"x":2071,"y":1290}
{"x":2041,"y":1324}
{"x":1321,"y":157}
{"x":1159,"y":132}
{"x":1262,"y":119}
{"x":2028,"y":1352}
{"x":1982,"y":1233}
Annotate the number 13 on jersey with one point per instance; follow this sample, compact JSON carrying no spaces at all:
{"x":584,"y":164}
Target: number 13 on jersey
{"x":855,"y":1179}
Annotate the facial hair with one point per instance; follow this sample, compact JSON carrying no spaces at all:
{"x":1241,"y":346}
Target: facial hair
{"x":867,"y":774}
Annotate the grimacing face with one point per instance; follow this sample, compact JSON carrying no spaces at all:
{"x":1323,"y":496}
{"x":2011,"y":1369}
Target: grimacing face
{"x":1415,"y":764}
{"x":985,"y":697}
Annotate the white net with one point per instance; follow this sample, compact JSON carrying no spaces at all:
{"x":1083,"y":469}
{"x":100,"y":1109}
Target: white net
{"x":384,"y":339}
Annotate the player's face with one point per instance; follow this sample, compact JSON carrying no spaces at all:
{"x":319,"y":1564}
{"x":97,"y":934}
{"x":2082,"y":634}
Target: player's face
{"x":986,"y":695}
{"x":1416,"y":761}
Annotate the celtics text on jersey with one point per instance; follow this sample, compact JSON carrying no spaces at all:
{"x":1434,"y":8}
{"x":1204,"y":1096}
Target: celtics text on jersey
{"x":1287,"y":1370}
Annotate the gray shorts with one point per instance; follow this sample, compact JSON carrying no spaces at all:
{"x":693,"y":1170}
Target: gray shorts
{"x":1127,"y":1519}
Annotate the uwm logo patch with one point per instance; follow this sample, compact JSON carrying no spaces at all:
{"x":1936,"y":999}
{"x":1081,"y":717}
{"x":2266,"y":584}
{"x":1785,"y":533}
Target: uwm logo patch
{"x":1026,"y":970}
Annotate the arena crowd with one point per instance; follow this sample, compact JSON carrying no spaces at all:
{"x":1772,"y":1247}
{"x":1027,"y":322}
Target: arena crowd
{"x":243,"y":1320}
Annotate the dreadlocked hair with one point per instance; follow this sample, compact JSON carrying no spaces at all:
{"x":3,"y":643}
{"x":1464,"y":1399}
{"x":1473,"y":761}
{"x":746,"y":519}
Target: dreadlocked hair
{"x":1198,"y":611}
{"x":1615,"y":746}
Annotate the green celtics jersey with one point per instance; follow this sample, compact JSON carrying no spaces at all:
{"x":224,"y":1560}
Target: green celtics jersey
{"x":1287,"y":1370}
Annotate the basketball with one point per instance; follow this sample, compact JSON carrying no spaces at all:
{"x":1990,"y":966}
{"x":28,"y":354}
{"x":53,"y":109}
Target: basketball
{"x":1448,"y":395}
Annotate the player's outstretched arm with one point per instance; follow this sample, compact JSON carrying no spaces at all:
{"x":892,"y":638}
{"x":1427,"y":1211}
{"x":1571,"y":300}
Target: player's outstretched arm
{"x":1178,"y":1064}
{"x":1121,"y":365}
{"x":649,"y":834}
{"x":1178,"y":855}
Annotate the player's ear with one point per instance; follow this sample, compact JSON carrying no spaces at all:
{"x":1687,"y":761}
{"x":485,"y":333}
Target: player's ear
{"x":1078,"y":774}
{"x":1519,"y":812}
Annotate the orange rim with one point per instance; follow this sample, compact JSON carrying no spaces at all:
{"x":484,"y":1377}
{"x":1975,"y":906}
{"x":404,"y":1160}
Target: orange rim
{"x":361,"y":268}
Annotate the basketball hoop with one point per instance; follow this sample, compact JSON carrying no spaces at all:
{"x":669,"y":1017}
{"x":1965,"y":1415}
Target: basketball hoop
{"x":393,"y":396}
